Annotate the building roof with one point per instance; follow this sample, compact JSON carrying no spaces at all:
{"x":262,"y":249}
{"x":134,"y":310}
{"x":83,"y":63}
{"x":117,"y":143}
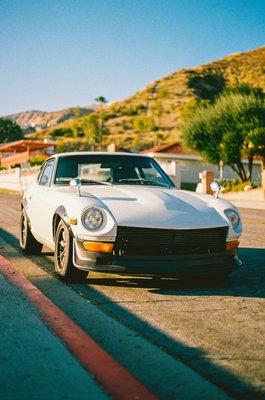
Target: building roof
{"x":174,"y":148}
{"x":24,"y":144}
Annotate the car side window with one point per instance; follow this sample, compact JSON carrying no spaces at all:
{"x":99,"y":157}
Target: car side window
{"x":46,"y":174}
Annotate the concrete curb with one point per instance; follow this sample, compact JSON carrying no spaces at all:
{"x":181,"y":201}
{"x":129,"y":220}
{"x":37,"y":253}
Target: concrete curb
{"x":119,"y":383}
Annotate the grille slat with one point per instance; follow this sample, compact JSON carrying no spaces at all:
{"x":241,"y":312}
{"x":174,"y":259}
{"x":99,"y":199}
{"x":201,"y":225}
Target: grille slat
{"x":137,"y":241}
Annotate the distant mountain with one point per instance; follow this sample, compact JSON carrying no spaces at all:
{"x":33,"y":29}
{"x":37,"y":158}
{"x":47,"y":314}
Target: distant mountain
{"x":44,"y":119}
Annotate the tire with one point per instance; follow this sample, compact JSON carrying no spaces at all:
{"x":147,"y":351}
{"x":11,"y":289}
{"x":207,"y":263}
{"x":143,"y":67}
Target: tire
{"x":27,"y":242}
{"x":63,"y":256}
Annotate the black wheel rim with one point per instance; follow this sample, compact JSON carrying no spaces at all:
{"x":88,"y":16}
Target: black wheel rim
{"x":23,"y":229}
{"x":61,"y":252}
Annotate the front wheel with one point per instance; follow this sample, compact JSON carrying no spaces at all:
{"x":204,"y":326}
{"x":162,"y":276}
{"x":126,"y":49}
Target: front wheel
{"x":27,"y":242}
{"x":63,"y":255}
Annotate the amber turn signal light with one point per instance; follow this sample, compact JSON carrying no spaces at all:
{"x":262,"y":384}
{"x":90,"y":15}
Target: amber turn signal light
{"x":98,"y":247}
{"x":232,"y":245}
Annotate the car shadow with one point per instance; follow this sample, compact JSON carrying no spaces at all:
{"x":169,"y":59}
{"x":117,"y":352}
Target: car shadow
{"x":247,"y":281}
{"x":196,"y":358}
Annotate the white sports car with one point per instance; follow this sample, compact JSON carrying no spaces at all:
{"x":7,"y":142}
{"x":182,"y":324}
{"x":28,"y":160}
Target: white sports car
{"x":121,"y":213}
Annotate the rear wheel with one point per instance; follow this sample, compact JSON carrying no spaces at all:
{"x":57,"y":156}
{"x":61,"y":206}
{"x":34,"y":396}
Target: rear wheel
{"x":27,"y":242}
{"x":63,"y":255}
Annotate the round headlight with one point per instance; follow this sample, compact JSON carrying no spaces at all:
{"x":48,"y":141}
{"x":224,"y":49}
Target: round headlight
{"x":92,"y":219}
{"x":233,"y":217}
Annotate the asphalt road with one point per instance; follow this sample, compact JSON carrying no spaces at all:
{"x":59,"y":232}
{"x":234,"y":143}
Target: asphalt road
{"x":166,"y":332}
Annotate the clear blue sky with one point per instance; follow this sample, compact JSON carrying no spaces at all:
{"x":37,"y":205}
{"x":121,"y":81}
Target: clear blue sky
{"x":60,"y":53}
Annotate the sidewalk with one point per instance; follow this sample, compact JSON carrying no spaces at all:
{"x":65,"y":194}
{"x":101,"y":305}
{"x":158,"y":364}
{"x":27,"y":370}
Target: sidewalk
{"x":250,"y":199}
{"x":45,"y":355}
{"x":34,"y":364}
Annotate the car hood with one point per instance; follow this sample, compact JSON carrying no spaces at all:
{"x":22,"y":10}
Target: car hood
{"x":153,"y":207}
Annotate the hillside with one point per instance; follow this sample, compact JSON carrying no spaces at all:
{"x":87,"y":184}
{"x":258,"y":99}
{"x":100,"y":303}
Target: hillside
{"x":42,"y":119}
{"x":153,"y":115}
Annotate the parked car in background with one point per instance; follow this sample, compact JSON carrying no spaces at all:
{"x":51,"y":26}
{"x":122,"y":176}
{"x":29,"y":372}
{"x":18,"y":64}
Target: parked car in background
{"x":120,"y":213}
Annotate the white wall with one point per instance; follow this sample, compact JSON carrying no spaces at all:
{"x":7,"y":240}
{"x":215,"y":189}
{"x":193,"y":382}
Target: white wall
{"x":17,"y":179}
{"x":181,"y":168}
{"x":191,"y":166}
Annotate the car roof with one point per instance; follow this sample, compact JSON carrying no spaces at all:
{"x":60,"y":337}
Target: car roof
{"x":97,"y":153}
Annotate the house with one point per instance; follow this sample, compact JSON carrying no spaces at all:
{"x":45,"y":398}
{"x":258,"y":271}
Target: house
{"x":185,"y":168}
{"x":20,"y":151}
{"x":175,"y":148}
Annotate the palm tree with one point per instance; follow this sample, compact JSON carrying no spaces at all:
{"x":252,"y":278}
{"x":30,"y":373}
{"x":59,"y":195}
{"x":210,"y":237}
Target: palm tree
{"x":101,"y":100}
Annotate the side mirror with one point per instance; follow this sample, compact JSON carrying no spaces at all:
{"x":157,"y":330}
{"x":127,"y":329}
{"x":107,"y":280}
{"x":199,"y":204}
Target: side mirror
{"x":215,"y":188}
{"x":76,"y":183}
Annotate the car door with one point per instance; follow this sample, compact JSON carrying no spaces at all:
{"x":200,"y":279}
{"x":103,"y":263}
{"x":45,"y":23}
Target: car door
{"x":41,"y":204}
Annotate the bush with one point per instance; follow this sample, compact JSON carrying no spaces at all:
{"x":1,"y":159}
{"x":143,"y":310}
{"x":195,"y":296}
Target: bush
{"x":66,"y":132}
{"x":206,"y":86}
{"x":143,"y":124}
{"x":163,"y":94}
{"x":72,"y":144}
{"x":234,"y":185}
{"x":188,"y":186}
{"x":37,"y":160}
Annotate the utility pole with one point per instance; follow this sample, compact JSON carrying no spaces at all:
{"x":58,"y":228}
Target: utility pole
{"x":221,"y":169}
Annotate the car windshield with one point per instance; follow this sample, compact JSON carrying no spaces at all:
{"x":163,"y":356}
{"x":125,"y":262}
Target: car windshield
{"x":111,"y":169}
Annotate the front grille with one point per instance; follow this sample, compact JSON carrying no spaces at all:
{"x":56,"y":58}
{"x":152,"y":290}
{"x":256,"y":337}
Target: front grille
{"x":148,"y":241}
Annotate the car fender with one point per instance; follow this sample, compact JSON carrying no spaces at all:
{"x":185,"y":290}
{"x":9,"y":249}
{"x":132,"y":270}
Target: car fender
{"x":221,"y":205}
{"x":60,"y":213}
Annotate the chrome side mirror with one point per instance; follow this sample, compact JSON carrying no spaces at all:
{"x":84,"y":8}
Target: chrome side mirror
{"x":215,"y":188}
{"x":76,"y":182}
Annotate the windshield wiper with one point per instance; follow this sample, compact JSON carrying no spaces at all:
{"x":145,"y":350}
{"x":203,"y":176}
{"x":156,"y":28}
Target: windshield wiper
{"x":142,"y":180}
{"x":96,"y":182}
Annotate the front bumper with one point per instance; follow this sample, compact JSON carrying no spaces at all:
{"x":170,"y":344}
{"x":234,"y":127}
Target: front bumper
{"x":175,"y":266}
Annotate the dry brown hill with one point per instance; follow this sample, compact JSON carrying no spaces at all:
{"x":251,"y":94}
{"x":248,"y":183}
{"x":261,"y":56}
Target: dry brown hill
{"x":153,"y":115}
{"x":44,"y":119}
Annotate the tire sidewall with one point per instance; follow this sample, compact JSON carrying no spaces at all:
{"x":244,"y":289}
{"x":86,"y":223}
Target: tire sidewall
{"x":23,"y":242}
{"x":63,"y":269}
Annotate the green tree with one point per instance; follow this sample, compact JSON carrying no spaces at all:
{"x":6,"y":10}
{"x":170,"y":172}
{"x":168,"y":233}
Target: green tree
{"x":231,"y":129}
{"x":207,"y":85}
{"x":101,"y":100}
{"x":9,"y":131}
{"x":92,"y":128}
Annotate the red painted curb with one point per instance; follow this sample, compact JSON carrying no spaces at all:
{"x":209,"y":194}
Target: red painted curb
{"x":118,"y":382}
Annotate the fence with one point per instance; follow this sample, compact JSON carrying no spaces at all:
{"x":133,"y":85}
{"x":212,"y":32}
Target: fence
{"x":17,"y":178}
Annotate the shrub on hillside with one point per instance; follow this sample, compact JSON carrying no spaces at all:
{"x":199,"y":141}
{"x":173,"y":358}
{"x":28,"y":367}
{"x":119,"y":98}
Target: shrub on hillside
{"x":72,"y":144}
{"x":144,"y":124}
{"x":207,"y":85}
{"x":58,"y":132}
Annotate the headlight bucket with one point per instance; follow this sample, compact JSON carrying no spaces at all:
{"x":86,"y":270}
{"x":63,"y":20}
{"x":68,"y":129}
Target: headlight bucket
{"x":233,"y":217}
{"x":92,"y":218}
